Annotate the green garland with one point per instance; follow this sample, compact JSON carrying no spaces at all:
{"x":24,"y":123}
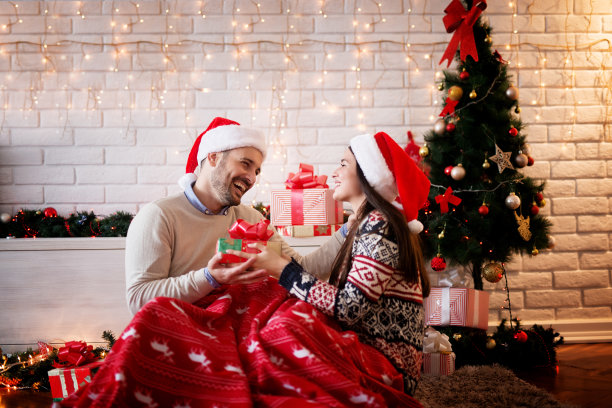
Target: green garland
{"x":512,"y":347}
{"x":47,"y":224}
{"x":22,"y":374}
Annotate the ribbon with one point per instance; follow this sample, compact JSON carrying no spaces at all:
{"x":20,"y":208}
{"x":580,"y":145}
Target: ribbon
{"x":446,"y":198}
{"x":257,"y":232}
{"x":498,"y":57}
{"x":445,"y":307}
{"x":455,"y":278}
{"x":305,"y":178}
{"x":461,"y":21}
{"x":412,"y":148}
{"x":449,"y":108}
{"x":74,"y":353}
{"x":436,"y":342}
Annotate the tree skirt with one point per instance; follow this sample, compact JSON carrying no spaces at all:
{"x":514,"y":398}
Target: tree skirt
{"x":483,"y":386}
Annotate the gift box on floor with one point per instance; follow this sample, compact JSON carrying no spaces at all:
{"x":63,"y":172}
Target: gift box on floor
{"x":438,"y":363}
{"x":65,"y":381}
{"x":238,"y":244}
{"x":457,"y":307}
{"x":307,"y":230}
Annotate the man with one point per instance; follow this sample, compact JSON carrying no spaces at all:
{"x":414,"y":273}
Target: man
{"x":171,"y":243}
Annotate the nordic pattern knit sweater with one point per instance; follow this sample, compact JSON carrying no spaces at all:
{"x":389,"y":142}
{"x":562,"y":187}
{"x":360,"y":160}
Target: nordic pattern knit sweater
{"x":376,"y":302}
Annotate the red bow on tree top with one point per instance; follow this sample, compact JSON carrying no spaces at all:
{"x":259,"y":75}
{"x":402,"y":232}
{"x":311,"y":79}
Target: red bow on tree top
{"x":461,"y":21}
{"x":243,"y":230}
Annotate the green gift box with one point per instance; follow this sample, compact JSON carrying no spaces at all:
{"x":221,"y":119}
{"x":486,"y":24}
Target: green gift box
{"x":237,"y":244}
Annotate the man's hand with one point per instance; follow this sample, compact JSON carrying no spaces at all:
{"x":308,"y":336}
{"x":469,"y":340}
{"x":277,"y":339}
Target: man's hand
{"x":235,"y":274}
{"x":266,"y":260}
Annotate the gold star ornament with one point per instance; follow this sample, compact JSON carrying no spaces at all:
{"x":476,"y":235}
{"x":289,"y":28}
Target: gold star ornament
{"x":502,"y":159}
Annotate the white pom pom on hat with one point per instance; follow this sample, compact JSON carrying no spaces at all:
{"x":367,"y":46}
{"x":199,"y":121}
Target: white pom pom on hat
{"x":393,"y":174}
{"x":221,"y":135}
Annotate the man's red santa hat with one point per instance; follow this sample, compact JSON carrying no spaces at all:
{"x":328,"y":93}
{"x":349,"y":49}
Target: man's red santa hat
{"x":221,"y":135}
{"x":392,"y":173}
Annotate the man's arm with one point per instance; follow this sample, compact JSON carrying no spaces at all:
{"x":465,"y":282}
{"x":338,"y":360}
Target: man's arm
{"x":148,"y":253}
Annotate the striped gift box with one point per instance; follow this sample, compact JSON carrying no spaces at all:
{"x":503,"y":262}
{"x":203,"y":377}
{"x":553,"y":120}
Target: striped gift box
{"x":301,"y":231}
{"x":457,"y":307}
{"x":65,"y":381}
{"x":438,"y":363}
{"x":311,"y":206}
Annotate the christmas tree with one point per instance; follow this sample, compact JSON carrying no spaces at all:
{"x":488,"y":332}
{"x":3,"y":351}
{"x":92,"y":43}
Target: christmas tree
{"x":481,"y":209}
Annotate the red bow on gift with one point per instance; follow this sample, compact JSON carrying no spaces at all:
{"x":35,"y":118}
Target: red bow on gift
{"x":305,"y":178}
{"x":461,"y":21}
{"x":74,"y":353}
{"x":257,"y":232}
{"x":444,"y":199}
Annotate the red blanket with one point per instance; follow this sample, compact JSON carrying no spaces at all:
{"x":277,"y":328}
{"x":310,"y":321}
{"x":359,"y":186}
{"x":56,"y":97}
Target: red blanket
{"x":241,"y":346}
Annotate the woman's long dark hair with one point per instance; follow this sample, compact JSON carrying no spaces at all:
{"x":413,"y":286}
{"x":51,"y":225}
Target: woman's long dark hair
{"x":409,"y":245}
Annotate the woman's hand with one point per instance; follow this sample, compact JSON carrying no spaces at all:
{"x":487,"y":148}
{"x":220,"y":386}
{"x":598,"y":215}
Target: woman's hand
{"x":242,"y":273}
{"x":266,"y":259}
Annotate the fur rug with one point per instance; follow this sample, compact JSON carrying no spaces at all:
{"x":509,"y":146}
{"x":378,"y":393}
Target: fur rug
{"x":483,"y":386}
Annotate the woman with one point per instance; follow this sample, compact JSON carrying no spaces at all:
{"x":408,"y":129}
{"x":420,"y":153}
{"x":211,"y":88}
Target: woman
{"x":378,"y":279}
{"x":254,"y":345}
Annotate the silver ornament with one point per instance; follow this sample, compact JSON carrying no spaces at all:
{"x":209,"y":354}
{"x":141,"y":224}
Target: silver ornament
{"x":440,"y":127}
{"x":521,"y":160}
{"x":527,"y":149}
{"x":513,"y":201}
{"x":512,"y":93}
{"x":458,"y":172}
{"x":5,"y":217}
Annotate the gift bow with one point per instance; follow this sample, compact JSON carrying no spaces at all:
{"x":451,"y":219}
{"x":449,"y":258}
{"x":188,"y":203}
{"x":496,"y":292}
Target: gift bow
{"x":305,"y":178}
{"x":74,"y":353}
{"x":461,"y":21}
{"x":243,"y":230}
{"x":444,"y":199}
{"x":436,"y":342}
{"x":455,"y":278}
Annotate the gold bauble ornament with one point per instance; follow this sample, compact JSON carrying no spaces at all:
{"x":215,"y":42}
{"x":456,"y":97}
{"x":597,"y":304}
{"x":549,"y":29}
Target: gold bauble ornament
{"x":491,"y":343}
{"x":542,"y":203}
{"x":424,"y":151}
{"x":517,"y":110}
{"x":473,"y":94}
{"x":440,"y":86}
{"x":486,"y":164}
{"x":493,"y":272}
{"x":455,"y":93}
{"x":441,"y":235}
{"x":521,"y":160}
{"x":457,"y":336}
{"x":534,"y":251}
{"x":488,"y":39}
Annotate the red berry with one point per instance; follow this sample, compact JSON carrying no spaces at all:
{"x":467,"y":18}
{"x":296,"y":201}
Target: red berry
{"x":438,"y":264}
{"x":513,"y":132}
{"x":530,"y":161}
{"x":535,"y":210}
{"x":464,"y":75}
{"x":539,"y":196}
{"x":448,"y":169}
{"x":483,"y":210}
{"x":450,"y":127}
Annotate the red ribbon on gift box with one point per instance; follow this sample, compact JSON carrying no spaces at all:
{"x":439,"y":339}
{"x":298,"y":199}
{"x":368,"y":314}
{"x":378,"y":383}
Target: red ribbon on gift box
{"x":461,"y":21}
{"x":305,"y":178}
{"x":74,"y":353}
{"x":243,"y":230}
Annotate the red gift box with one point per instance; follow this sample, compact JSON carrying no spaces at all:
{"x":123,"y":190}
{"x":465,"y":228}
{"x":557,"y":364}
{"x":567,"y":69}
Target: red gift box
{"x":457,"y":307}
{"x":312,"y":206}
{"x":438,"y":363}
{"x":242,"y":234}
{"x":65,"y":381}
{"x":307,"y":230}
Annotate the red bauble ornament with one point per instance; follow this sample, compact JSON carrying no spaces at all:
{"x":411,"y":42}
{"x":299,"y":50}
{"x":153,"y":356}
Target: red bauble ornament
{"x":438,"y":264}
{"x":513,"y":132}
{"x":483,"y":210}
{"x":539,"y":196}
{"x":535,"y":209}
{"x":530,"y":161}
{"x":448,"y":169}
{"x":464,"y":75}
{"x":50,"y":212}
{"x":450,"y":127}
{"x":520,"y":336}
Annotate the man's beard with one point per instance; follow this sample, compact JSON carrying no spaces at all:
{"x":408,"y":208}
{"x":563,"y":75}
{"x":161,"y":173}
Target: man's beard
{"x":222,"y":188}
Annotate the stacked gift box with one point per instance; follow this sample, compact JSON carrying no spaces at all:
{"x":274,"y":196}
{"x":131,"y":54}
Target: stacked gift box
{"x":306,"y":208}
{"x":438,"y":356}
{"x":452,"y":303}
{"x":242,"y":236}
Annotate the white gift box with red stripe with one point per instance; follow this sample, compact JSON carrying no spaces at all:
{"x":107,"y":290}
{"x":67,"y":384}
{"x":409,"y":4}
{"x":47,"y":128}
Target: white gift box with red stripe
{"x":438,"y":363}
{"x":309,"y":206}
{"x":457,"y":307}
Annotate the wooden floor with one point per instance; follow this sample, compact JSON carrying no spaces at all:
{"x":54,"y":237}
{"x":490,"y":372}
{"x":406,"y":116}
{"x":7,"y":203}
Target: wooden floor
{"x":585,"y":379}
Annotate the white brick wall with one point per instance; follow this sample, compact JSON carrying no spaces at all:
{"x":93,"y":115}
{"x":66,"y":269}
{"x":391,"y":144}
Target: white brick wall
{"x":108,"y":127}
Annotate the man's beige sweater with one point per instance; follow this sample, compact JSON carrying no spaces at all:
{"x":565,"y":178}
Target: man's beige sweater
{"x":169,"y":242}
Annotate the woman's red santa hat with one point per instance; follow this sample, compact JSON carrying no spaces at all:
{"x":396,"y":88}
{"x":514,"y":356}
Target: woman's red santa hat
{"x":392,"y":173}
{"x":221,"y":135}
